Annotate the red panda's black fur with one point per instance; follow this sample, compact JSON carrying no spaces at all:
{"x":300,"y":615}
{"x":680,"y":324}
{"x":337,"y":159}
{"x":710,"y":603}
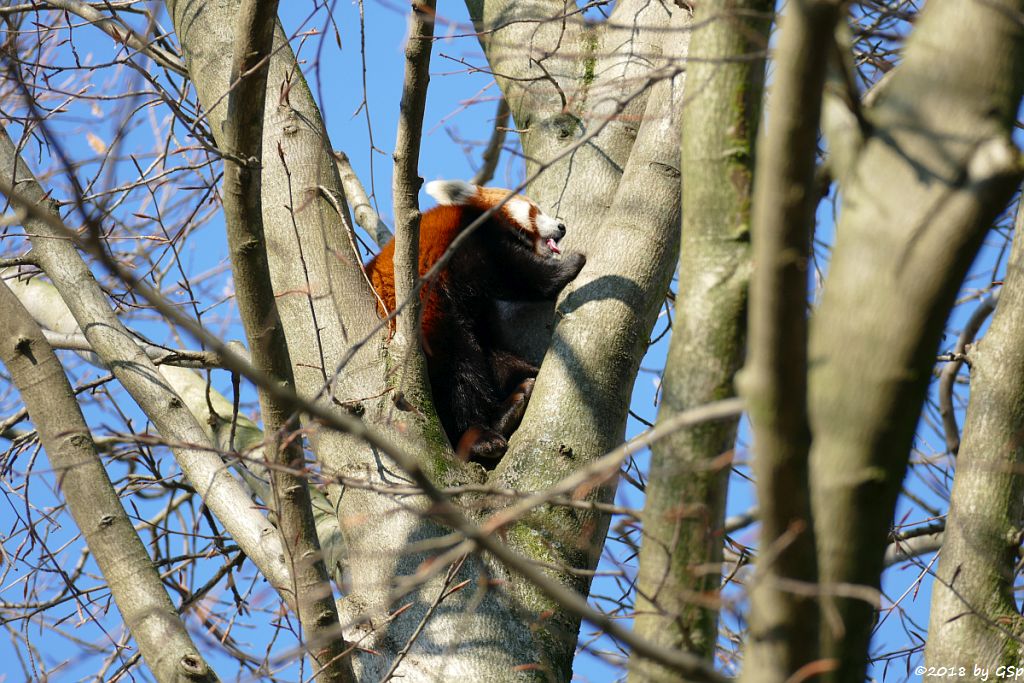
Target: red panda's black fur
{"x":480,"y":390}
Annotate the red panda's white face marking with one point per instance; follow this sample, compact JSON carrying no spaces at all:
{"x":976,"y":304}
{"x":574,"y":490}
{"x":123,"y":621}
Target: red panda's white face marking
{"x":537,"y":228}
{"x":541,"y":230}
{"x":520,"y":210}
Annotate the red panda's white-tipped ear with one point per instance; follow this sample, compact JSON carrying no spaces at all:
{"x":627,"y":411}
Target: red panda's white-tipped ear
{"x":450,"y":192}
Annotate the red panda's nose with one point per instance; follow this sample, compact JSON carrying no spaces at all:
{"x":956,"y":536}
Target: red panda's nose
{"x":561,"y":230}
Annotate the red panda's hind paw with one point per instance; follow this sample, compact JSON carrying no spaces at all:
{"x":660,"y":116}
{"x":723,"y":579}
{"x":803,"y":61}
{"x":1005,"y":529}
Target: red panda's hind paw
{"x":512,"y":410}
{"x":481,"y":444}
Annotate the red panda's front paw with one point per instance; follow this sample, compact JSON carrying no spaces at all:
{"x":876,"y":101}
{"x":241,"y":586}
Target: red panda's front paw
{"x":481,"y":443}
{"x":574,"y":263}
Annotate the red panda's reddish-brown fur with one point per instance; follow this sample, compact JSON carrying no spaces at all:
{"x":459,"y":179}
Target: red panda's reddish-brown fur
{"x":438,"y":227}
{"x":480,"y":389}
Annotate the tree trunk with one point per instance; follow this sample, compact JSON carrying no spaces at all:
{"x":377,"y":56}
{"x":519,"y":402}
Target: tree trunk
{"x":783,"y":621}
{"x":974,"y":620}
{"x":926,"y":185}
{"x":680,"y":558}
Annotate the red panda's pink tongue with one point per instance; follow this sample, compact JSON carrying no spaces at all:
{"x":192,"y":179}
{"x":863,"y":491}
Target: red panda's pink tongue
{"x":553,"y":247}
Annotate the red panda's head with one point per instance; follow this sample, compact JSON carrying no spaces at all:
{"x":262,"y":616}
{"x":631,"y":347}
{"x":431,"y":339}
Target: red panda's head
{"x":539,"y":230}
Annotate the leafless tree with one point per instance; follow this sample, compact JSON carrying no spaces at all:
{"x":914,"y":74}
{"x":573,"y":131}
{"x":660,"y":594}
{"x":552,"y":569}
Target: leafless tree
{"x":289,"y":508}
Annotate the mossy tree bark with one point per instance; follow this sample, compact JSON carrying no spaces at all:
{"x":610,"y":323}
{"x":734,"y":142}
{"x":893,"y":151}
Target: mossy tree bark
{"x":335,"y":339}
{"x":603,"y":154}
{"x":923,"y":170}
{"x":254,"y":294}
{"x":340,"y":357}
{"x":682,"y":546}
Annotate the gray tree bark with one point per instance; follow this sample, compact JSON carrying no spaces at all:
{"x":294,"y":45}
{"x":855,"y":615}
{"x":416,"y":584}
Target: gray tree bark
{"x":289,"y":496}
{"x":572,"y":90}
{"x":783,"y":621}
{"x":445,"y":578}
{"x":974,"y":619}
{"x":933,"y":172}
{"x":117,"y":348}
{"x":335,"y":341}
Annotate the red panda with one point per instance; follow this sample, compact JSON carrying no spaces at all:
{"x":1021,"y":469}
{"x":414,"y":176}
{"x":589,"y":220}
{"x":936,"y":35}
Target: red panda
{"x":480,"y":390}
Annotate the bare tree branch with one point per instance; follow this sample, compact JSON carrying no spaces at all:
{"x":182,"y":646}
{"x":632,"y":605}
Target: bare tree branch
{"x":134,"y":582}
{"x":229,"y":431}
{"x":980,"y":557}
{"x":842,"y":112}
{"x":118,"y":349}
{"x":684,"y":508}
{"x":937,"y":169}
{"x":119,"y":32}
{"x":368,"y":219}
{"x":783,"y":624}
{"x":947,"y":378}
{"x":606,"y":467}
{"x":492,"y":153}
{"x":183,"y":358}
{"x":243,"y":211}
{"x":618,"y":292}
{"x":405,"y":187}
{"x":902,"y":550}
{"x":442,"y":509}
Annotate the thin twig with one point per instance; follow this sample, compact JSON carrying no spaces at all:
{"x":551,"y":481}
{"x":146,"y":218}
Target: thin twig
{"x":492,"y":153}
{"x":121,"y":33}
{"x":947,"y":380}
{"x":608,"y":465}
{"x":453,"y":570}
